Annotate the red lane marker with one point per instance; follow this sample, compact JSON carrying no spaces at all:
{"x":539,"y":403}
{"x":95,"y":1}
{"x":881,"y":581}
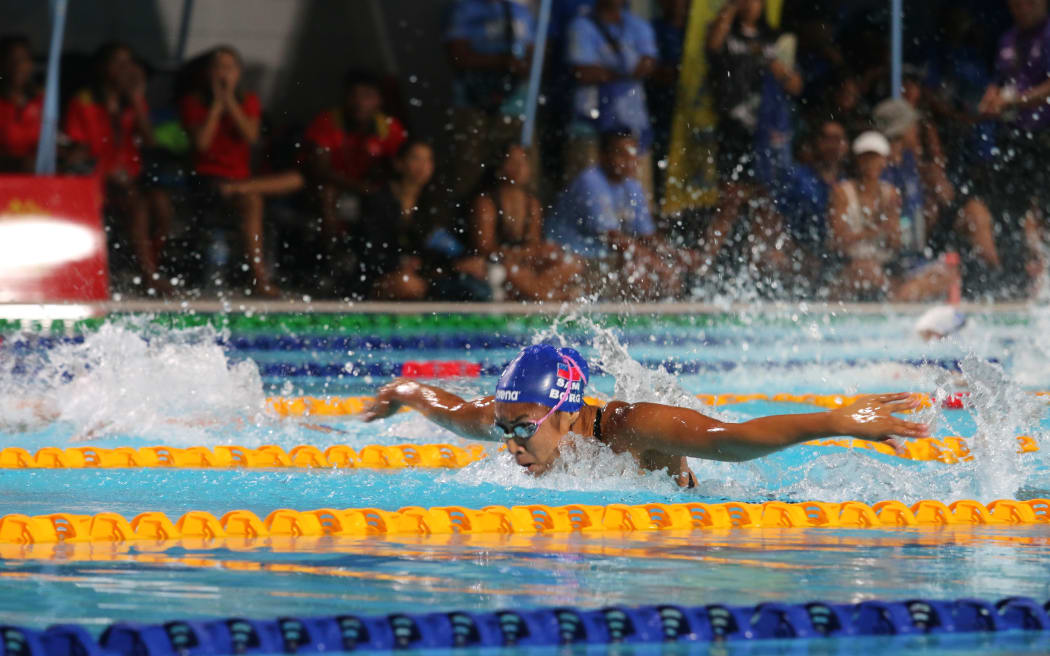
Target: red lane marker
{"x":440,"y":369}
{"x":954,"y":401}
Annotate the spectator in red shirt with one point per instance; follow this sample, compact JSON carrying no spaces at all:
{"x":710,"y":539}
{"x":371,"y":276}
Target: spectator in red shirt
{"x":223,"y":123}
{"x":105,"y":126}
{"x":351,"y":149}
{"x":21,"y":105}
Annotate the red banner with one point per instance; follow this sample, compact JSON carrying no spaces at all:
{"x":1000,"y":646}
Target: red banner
{"x":52,"y":245}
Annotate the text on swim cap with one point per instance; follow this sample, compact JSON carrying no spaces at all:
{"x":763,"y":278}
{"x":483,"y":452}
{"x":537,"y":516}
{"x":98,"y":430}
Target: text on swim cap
{"x":572,"y":398}
{"x":507,"y":395}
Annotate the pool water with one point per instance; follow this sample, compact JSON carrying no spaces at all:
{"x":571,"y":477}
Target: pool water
{"x":136,"y":383}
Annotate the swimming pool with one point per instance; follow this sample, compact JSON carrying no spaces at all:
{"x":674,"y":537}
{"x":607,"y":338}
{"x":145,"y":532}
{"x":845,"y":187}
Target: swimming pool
{"x":139,"y":382}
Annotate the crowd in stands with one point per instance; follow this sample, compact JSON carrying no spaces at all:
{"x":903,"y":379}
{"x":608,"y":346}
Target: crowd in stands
{"x":828,"y":184}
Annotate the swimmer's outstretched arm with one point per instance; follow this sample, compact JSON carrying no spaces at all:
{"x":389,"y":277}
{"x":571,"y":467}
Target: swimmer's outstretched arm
{"x":667,"y":429}
{"x":470,"y":419}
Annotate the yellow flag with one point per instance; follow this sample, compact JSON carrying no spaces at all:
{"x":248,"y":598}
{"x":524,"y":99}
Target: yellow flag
{"x":692,"y":181}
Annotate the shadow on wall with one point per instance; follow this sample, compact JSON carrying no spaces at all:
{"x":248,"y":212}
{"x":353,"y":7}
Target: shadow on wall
{"x":399,"y":39}
{"x":90,"y":23}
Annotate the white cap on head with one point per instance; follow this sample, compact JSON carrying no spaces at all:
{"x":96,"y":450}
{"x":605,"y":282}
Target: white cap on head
{"x":940,"y":321}
{"x":871,"y":142}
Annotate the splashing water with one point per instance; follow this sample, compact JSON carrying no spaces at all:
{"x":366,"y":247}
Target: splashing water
{"x":136,"y":380}
{"x":132,"y":378}
{"x":999,"y":406}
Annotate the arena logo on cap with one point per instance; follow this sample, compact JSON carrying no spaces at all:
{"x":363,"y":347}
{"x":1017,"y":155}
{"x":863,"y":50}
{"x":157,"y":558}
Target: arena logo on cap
{"x":507,"y":395}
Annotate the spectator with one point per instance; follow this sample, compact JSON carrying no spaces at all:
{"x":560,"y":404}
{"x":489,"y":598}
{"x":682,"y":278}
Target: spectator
{"x":489,"y":45}
{"x":351,"y":148}
{"x":844,"y":103}
{"x":406,"y":253}
{"x":611,"y":52}
{"x":508,"y":229}
{"x":956,"y":79}
{"x":865,"y":235}
{"x":669,"y":30}
{"x":802,"y":192}
{"x":934,"y":214}
{"x":820,"y":59}
{"x":21,"y":106}
{"x":604,"y":217}
{"x":223,"y":122}
{"x":1018,"y":100}
{"x":105,"y":125}
{"x":742,"y":51}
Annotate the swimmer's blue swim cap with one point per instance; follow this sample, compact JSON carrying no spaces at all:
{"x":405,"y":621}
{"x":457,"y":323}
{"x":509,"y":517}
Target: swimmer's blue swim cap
{"x":541,"y":373}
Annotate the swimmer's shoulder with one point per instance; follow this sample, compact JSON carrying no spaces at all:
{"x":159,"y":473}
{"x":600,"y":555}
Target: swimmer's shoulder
{"x":611,"y":418}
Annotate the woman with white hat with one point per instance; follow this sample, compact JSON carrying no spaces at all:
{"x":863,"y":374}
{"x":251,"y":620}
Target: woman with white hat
{"x":865,"y":235}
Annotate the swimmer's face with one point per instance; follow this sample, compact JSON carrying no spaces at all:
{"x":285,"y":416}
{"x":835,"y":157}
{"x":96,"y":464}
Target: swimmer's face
{"x":537,"y":453}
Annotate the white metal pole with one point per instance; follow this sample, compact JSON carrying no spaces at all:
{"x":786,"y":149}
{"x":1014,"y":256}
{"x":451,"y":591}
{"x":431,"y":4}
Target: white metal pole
{"x":45,"y":152}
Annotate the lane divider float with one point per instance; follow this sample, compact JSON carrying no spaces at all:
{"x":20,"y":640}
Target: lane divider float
{"x":361,"y":368}
{"x":536,"y":519}
{"x":378,"y":456}
{"x":539,"y":627}
{"x":351,"y":405}
{"x":373,"y":456}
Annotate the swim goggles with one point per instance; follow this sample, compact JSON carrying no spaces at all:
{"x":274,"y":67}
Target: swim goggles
{"x":525,"y":429}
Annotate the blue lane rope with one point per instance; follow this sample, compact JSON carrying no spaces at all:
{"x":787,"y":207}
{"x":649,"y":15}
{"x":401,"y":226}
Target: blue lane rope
{"x":490,"y":368}
{"x":362,"y":368}
{"x":542,"y":627}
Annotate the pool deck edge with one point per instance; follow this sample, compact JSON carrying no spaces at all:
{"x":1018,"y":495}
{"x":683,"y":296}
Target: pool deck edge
{"x":245,"y":304}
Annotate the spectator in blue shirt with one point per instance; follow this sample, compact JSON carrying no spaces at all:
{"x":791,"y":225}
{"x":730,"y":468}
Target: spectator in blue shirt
{"x":489,"y":45}
{"x":746,"y":71}
{"x":604,"y":217}
{"x":802,"y":193}
{"x":612,"y":52}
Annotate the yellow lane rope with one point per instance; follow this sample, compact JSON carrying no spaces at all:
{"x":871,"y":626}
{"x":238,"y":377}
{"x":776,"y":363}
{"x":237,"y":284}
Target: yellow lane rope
{"x":373,"y":456}
{"x":377,"y":456}
{"x":516,"y":520}
{"x":352,"y":405}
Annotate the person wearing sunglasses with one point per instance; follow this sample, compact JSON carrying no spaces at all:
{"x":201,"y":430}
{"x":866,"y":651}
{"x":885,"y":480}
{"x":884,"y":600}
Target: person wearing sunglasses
{"x":539,"y":400}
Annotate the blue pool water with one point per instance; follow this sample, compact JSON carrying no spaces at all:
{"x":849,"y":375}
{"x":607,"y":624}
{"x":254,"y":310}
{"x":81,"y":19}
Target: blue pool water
{"x":131,"y":384}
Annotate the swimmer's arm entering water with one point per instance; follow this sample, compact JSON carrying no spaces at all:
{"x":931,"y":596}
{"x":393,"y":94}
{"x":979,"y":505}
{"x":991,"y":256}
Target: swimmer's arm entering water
{"x":470,"y":419}
{"x":680,"y":431}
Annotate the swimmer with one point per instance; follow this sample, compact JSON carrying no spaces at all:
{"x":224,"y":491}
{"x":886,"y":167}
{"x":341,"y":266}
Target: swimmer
{"x":539,"y":401}
{"x":939,"y":322}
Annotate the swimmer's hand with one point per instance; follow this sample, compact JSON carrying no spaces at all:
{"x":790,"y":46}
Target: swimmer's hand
{"x":387,"y":402}
{"x":870,"y":417}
